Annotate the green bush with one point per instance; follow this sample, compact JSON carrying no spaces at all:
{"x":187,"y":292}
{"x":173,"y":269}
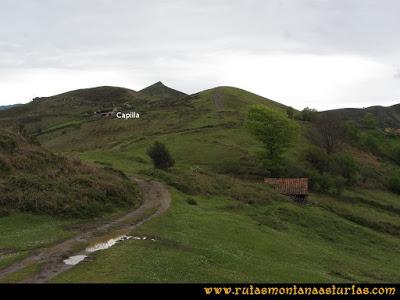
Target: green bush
{"x":7,"y":144}
{"x":308,"y":114}
{"x":4,"y":166}
{"x":347,"y":167}
{"x":327,"y":183}
{"x":393,"y":183}
{"x":4,"y":212}
{"x":371,"y":144}
{"x":352,"y":133}
{"x":318,"y":159}
{"x":369,"y":121}
{"x":160,"y":156}
{"x":395,"y":154}
{"x":191,"y":201}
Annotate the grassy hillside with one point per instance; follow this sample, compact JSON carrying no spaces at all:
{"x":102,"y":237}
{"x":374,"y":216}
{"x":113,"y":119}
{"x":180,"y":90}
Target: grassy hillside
{"x":4,"y":107}
{"x":219,"y":239}
{"x":386,"y":116}
{"x":34,"y":180}
{"x":224,"y":223}
{"x":159,"y":91}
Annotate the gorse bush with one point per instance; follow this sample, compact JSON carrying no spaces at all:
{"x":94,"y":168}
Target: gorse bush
{"x":160,"y":156}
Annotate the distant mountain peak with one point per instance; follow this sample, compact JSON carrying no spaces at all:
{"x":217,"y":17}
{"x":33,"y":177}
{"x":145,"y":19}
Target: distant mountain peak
{"x":160,"y":90}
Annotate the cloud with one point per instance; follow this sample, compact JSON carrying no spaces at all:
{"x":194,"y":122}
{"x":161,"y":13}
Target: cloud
{"x":323,"y":54}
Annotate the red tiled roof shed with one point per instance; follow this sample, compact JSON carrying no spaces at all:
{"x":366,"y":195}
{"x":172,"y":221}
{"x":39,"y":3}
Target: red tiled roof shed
{"x":289,"y":186}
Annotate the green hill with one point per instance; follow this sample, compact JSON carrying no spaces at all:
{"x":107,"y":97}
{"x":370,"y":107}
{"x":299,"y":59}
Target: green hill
{"x":33,"y":179}
{"x":385,"y":116}
{"x":224,"y":224}
{"x":160,"y":91}
{"x":4,"y":107}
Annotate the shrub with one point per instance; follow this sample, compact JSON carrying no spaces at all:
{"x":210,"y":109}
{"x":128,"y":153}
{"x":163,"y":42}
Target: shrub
{"x":371,"y":144}
{"x":290,"y":112}
{"x":308,"y":114}
{"x":4,"y":212}
{"x":7,"y":144}
{"x":318,"y":159}
{"x":395,"y":154}
{"x":369,"y":121}
{"x":351,"y":132}
{"x":393,"y":183}
{"x":191,"y":201}
{"x":160,"y":156}
{"x":327,"y":183}
{"x":4,"y":166}
{"x":346,"y":167}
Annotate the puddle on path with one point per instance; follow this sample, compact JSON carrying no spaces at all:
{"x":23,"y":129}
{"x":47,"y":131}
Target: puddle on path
{"x":107,"y":244}
{"x":76,"y":259}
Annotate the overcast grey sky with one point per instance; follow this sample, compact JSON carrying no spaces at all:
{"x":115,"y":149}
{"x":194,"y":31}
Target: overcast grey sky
{"x":316,"y":53}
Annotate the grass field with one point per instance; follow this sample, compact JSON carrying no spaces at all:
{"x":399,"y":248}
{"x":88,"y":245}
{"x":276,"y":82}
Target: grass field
{"x":221,"y":240}
{"x":22,"y":233}
{"x":210,"y":236}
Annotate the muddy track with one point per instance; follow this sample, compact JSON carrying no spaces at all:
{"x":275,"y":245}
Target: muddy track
{"x":218,"y":101}
{"x":155,"y":200}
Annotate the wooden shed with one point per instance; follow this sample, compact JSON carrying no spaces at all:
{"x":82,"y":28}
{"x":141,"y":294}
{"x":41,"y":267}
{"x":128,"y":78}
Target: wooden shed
{"x":294,"y":187}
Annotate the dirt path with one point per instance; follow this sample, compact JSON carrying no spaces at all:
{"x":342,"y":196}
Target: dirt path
{"x":218,"y":101}
{"x":156,"y":200}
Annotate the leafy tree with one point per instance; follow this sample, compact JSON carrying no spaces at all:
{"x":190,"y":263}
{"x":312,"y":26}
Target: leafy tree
{"x":308,"y":114}
{"x":274,"y":130}
{"x":371,"y":143}
{"x":347,"y":167}
{"x":327,"y":132}
{"x":351,"y":132}
{"x":160,"y":156}
{"x":369,"y":121}
{"x":318,"y":159}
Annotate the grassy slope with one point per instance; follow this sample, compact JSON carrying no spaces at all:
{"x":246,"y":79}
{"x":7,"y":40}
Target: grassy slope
{"x":219,"y":240}
{"x":21,"y":233}
{"x":33,"y":179}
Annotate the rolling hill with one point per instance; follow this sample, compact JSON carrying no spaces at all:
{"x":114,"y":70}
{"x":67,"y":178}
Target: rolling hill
{"x":33,"y":179}
{"x":224,"y":224}
{"x":386,"y":116}
{"x":4,"y":107}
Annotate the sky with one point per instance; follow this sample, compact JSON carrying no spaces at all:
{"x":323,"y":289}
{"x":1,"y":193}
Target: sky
{"x":322,"y":54}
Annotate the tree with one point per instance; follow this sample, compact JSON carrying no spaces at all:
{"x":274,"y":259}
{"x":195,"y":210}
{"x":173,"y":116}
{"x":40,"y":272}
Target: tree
{"x":290,"y":112}
{"x":327,"y":132}
{"x":274,"y":130}
{"x":160,"y":156}
{"x":369,"y":121}
{"x":351,"y":132}
{"x":308,"y":114}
